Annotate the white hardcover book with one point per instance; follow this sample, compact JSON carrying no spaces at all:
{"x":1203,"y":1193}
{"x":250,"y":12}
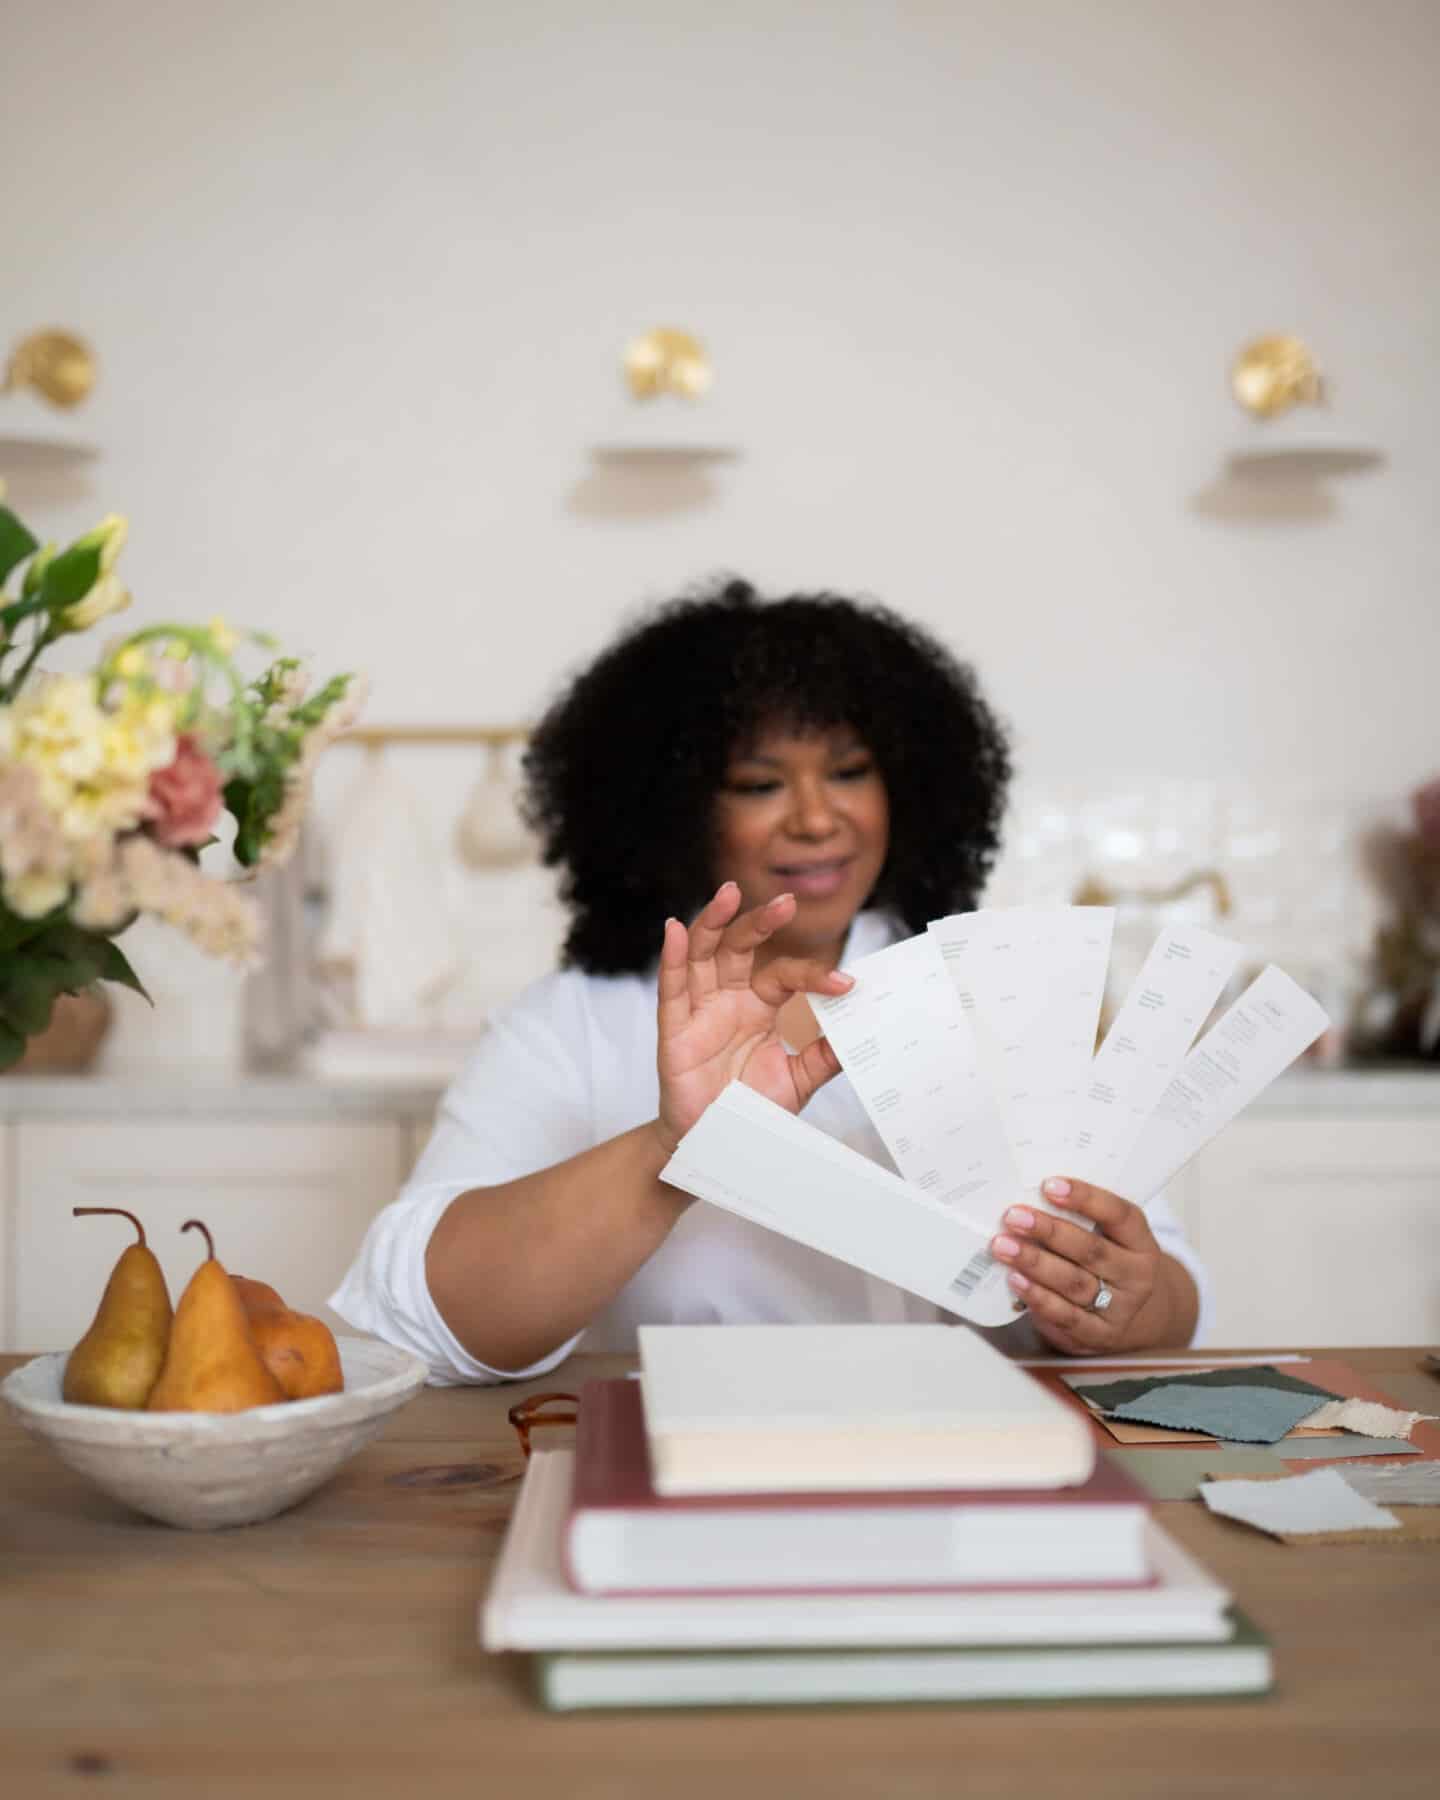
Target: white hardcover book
{"x":530,"y":1605}
{"x":824,"y":1408}
{"x":752,"y":1158}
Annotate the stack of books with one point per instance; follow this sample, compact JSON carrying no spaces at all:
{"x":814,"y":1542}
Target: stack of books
{"x":777,"y":1515}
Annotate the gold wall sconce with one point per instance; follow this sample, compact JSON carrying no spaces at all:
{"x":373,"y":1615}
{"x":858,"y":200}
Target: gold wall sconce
{"x":59,"y":366}
{"x":1272,"y":374}
{"x":1289,"y":479}
{"x":667,"y":361}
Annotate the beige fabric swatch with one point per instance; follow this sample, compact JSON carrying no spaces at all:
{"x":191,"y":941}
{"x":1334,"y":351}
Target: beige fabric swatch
{"x":1368,"y":1417}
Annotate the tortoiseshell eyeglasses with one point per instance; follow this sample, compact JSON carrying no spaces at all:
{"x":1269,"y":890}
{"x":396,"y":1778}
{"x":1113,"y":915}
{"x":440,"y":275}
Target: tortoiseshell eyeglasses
{"x":541,"y":1409}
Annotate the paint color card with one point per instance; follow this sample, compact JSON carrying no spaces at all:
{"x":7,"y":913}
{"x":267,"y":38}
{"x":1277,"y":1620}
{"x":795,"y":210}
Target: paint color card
{"x":750,"y":1157}
{"x":910,"y":1053}
{"x":1260,"y":1035}
{"x":1159,"y":1019}
{"x":1031,"y":980}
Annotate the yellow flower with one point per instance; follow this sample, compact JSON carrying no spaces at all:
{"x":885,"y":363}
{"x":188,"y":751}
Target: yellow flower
{"x":32,"y":896}
{"x":132,"y":662}
{"x":58,"y":725}
{"x":116,"y":529}
{"x":93,"y":766}
{"x":109,"y":536}
{"x":223,"y":638}
{"x":106,"y":597}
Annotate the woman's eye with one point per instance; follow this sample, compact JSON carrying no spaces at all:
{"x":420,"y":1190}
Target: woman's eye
{"x":854,"y":772}
{"x":752,"y":787}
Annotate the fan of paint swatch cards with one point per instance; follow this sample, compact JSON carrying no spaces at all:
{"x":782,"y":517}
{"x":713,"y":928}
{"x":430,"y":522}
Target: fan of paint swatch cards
{"x":972,"y":1047}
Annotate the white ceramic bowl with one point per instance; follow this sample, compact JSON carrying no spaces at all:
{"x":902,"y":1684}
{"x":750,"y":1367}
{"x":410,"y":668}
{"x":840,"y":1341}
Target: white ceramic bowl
{"x":204,"y":1470}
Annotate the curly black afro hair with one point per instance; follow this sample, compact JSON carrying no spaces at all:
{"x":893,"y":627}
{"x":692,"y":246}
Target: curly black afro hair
{"x":622,"y":772}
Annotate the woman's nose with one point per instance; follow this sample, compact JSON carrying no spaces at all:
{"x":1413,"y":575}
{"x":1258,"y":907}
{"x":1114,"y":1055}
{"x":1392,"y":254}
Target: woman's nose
{"x":812,"y":814}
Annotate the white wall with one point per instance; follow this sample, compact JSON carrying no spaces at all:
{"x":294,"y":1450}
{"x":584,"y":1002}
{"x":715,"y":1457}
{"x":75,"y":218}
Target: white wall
{"x":972,"y":275}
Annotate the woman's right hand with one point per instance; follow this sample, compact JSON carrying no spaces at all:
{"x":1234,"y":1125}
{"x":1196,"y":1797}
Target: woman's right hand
{"x":718,"y":1013}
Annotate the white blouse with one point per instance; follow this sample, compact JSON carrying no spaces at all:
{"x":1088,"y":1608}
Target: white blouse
{"x":567,"y":1065}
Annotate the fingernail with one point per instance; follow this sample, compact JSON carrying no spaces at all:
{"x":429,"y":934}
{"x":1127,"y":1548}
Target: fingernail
{"x":1005,"y":1247}
{"x":781,"y":897}
{"x":1018,"y":1281}
{"x":840,"y":976}
{"x":1057,"y":1188}
{"x":1021,"y":1216}
{"x":725,"y":886}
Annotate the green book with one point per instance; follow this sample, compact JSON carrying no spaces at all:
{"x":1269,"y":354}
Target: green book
{"x":1237,"y":1665}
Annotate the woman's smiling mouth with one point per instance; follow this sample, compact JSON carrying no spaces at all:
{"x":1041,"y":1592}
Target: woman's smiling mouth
{"x":814,"y":880}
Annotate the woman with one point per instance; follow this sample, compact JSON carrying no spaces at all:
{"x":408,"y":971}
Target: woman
{"x":804,"y":781}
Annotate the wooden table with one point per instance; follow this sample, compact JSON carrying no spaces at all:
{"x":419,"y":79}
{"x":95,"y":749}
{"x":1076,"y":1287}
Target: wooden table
{"x":333,"y":1651}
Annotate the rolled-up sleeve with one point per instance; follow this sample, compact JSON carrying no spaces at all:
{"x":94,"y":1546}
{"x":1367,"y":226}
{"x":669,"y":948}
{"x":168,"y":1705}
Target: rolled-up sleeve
{"x":521,"y":1103}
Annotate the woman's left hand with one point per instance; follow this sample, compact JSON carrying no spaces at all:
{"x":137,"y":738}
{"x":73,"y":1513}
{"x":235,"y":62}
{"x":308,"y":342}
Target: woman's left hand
{"x":1058,"y":1270}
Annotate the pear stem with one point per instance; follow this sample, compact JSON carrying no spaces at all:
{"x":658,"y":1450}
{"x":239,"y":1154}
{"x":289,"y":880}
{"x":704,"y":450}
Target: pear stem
{"x":195,"y":1224}
{"x":81,"y":1212}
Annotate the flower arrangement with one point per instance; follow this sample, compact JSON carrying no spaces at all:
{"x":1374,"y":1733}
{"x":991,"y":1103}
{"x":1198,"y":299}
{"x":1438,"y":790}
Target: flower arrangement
{"x":112,"y":783}
{"x":1399,"y":1014}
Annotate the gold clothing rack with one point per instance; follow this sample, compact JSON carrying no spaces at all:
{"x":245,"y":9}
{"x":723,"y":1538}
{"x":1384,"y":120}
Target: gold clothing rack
{"x":378,"y":737}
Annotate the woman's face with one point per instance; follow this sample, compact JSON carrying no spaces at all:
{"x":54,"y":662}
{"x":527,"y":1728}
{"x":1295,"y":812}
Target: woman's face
{"x":804,"y":813}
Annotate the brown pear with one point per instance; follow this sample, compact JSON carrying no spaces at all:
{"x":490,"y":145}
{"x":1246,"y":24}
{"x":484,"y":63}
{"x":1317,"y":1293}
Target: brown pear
{"x":119,"y":1357}
{"x":298,"y":1349}
{"x":212,"y":1364}
{"x":257,"y":1296}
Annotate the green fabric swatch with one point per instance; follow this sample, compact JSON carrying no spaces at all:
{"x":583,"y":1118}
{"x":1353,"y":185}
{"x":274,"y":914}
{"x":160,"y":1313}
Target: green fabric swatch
{"x":1107,"y":1395}
{"x":1176,"y":1474}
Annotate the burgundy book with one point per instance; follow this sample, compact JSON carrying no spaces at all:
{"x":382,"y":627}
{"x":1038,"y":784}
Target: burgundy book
{"x":621,"y":1537}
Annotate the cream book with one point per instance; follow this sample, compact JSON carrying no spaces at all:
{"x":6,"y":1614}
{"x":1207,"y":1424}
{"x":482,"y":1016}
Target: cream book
{"x":734,"y":1409}
{"x":530,"y":1605}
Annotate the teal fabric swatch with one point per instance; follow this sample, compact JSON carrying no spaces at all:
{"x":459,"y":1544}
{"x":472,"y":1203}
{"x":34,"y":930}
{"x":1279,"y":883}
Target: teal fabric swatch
{"x":1243,"y":1415}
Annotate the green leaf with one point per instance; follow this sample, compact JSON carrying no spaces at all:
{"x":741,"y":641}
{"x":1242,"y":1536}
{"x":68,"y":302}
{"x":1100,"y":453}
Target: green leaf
{"x":28,"y":986}
{"x":12,"y":1045}
{"x":16,"y":542}
{"x":71,"y":576}
{"x":15,"y":931}
{"x":78,"y":955}
{"x":19,"y":610}
{"x":117,"y":968}
{"x":241,"y":801}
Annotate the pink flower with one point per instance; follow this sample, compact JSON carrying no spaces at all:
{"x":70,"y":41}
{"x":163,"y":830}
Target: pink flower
{"x":185,"y":797}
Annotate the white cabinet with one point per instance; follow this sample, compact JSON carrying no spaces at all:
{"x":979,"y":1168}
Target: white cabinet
{"x":1320,"y":1229}
{"x":287,"y":1201}
{"x":1317,"y":1212}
